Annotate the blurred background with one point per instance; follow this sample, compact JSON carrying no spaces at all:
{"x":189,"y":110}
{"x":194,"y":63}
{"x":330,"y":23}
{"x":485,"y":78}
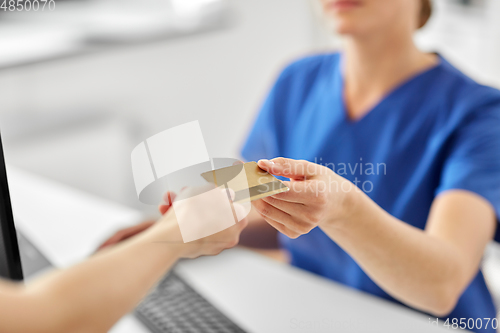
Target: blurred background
{"x":83,"y":81}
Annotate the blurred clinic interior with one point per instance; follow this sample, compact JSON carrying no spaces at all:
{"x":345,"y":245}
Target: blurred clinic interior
{"x":84,"y":81}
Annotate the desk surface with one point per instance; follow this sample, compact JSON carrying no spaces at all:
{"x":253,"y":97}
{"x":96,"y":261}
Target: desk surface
{"x":259,"y":294}
{"x":263,"y":295}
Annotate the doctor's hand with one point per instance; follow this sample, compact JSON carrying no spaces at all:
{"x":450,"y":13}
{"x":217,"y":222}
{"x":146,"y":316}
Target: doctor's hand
{"x":317,"y":196}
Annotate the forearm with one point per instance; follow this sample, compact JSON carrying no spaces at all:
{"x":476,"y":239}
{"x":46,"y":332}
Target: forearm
{"x":428,"y":270}
{"x":414,"y":267}
{"x":92,"y":296}
{"x":83,"y":302}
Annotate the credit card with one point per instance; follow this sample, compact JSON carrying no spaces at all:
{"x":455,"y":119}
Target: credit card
{"x":248,"y":181}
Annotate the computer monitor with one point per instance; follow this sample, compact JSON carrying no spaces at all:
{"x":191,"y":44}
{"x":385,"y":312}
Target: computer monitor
{"x":10,"y":261}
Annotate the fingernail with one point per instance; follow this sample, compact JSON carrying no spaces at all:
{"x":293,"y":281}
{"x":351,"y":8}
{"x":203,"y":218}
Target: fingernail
{"x":267,"y":162}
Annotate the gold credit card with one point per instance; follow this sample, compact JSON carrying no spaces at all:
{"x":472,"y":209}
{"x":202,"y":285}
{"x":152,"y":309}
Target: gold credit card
{"x":248,"y":181}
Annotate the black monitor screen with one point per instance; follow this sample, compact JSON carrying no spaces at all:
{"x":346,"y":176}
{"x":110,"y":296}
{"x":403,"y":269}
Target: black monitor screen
{"x":10,"y":262}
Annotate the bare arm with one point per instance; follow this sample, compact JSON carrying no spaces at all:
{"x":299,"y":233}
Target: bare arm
{"x":92,"y":296}
{"x":427,"y":269}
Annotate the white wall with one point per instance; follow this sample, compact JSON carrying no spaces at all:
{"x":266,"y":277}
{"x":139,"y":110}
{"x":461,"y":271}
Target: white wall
{"x":469,"y":36}
{"x":219,"y":78}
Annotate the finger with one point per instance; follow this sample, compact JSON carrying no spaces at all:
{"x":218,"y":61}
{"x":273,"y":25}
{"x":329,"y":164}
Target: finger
{"x":110,"y":241}
{"x":168,"y":199}
{"x":291,"y":208}
{"x":298,"y":192}
{"x":289,"y":168}
{"x":265,"y":209}
{"x":129,"y":232}
{"x":291,"y":195}
{"x":132,"y":231}
{"x":126,"y":233}
{"x":282,"y":228}
{"x":268,"y":211}
{"x":163,"y":209}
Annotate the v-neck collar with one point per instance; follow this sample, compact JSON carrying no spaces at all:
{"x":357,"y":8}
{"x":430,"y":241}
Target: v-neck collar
{"x":339,"y":82}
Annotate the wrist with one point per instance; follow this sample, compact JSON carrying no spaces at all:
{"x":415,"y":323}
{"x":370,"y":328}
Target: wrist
{"x":347,"y":209}
{"x":167,"y":232}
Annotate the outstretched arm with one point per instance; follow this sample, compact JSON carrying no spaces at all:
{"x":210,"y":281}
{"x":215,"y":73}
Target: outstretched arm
{"x":92,"y":296}
{"x":426,"y":269}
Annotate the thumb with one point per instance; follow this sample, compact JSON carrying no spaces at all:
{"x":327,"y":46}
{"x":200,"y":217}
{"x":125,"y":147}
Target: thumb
{"x":289,"y":168}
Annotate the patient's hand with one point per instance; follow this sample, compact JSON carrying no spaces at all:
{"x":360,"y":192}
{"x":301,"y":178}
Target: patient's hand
{"x":126,"y":233}
{"x":209,"y":224}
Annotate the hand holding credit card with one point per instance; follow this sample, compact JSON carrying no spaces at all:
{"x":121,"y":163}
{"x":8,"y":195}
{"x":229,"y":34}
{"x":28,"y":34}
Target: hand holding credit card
{"x":248,"y":181}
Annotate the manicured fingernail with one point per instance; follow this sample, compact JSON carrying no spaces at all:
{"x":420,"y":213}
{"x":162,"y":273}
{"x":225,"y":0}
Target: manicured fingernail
{"x":267,"y":162}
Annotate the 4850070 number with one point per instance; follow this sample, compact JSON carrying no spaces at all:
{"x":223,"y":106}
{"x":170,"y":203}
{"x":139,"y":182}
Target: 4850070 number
{"x":471,"y":323}
{"x":27,"y":5}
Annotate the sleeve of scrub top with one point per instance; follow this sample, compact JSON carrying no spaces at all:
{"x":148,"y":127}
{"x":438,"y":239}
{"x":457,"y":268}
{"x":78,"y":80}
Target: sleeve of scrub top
{"x":474,"y":160}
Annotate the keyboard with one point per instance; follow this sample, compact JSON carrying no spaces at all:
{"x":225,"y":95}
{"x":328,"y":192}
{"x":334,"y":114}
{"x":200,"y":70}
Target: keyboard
{"x":174,"y":307}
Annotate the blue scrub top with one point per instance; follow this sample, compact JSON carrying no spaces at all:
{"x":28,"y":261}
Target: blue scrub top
{"x":437,"y":131}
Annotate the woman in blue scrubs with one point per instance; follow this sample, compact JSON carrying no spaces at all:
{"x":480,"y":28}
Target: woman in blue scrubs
{"x":393,"y":157}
